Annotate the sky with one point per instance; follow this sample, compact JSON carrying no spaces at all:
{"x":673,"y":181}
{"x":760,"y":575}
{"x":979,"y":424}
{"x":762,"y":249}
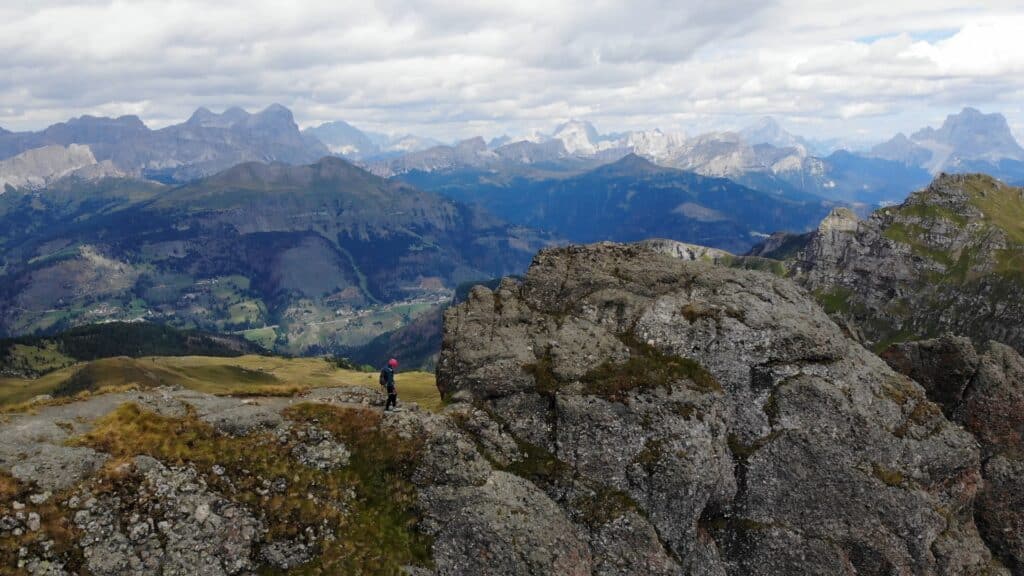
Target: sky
{"x":859,"y":71}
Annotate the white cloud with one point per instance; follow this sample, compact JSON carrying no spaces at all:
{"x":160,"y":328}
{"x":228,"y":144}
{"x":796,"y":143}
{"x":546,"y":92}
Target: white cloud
{"x":454,"y":69}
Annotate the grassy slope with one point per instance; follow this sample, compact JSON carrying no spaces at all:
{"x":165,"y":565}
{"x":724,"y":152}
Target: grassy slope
{"x":243,"y":375}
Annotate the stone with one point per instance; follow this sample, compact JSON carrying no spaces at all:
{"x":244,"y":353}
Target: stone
{"x":40,"y":498}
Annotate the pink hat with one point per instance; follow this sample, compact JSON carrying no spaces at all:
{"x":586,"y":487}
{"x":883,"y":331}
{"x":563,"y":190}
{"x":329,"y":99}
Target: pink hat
{"x":393,"y":363}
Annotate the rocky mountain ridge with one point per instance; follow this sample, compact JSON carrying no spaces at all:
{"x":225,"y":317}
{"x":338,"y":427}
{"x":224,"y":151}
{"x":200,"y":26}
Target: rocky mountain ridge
{"x":949,"y":259}
{"x":765,"y":158}
{"x":624,"y":409}
{"x":345,"y":140}
{"x":204,"y":144}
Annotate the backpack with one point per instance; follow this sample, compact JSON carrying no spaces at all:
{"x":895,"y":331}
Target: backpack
{"x":383,"y":377}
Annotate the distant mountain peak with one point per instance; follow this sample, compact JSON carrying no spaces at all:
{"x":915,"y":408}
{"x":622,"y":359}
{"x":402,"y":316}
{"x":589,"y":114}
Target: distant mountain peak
{"x":964,"y":140}
{"x":203,"y":116}
{"x":579,"y":137}
{"x":130,"y":121}
{"x":631,"y":164}
{"x":767,"y":130}
{"x":276,"y":108}
{"x":475,"y":143}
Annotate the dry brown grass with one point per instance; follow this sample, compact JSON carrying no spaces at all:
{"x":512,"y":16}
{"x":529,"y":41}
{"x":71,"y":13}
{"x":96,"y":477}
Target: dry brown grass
{"x":368,"y":504}
{"x":241,"y":376}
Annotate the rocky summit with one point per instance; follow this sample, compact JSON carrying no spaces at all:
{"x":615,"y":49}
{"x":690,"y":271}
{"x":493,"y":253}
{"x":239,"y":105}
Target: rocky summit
{"x":694,"y":419}
{"x":948,"y":259}
{"x":623,"y":409}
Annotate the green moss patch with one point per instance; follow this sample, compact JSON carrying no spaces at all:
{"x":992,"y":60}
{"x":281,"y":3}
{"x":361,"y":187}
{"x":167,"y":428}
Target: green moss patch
{"x":651,"y":455}
{"x":374,"y":530}
{"x":743,"y":451}
{"x":769,"y":265}
{"x":538,"y":465}
{"x":1010,"y":263}
{"x":544,"y":377}
{"x":932,"y":212}
{"x":901,"y":390}
{"x":887,"y":475}
{"x":604,"y":505}
{"x":835,"y":301}
{"x":647,"y":368}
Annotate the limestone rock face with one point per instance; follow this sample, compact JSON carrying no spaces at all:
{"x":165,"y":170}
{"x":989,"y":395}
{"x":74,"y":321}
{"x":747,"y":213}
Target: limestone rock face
{"x":694,"y":419}
{"x":983,"y":390}
{"x":40,"y":166}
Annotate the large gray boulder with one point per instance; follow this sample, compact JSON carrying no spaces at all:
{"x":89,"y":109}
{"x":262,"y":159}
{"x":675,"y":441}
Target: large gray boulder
{"x":715,"y":419}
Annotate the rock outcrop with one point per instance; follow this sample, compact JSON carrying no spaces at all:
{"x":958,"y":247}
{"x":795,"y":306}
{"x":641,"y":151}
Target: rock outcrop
{"x":982,"y":390}
{"x":41,"y":166}
{"x":694,"y":419}
{"x":234,"y":486}
{"x":949,"y":259}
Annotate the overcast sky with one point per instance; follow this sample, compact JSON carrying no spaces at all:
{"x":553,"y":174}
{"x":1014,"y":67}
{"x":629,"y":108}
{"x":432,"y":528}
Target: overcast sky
{"x":859,"y":69}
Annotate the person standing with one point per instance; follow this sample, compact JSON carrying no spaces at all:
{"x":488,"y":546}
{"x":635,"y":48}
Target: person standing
{"x":387,"y":379}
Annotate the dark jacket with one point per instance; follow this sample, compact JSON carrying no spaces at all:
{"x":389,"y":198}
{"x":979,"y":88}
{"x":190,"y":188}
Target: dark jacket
{"x":389,"y":377}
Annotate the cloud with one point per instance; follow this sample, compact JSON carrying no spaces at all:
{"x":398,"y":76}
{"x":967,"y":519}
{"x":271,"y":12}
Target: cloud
{"x":454,"y":69}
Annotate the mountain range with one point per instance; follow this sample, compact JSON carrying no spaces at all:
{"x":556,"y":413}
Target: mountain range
{"x":629,"y":200}
{"x":763,"y":155}
{"x":309,"y":257}
{"x":202,"y":145}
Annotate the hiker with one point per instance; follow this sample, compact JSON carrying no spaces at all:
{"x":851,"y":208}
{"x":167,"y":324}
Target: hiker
{"x":387,"y":380}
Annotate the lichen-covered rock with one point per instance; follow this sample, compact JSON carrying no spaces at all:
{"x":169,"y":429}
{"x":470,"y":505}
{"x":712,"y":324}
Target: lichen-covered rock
{"x":504,"y":526}
{"x":983,"y":391}
{"x":720,"y":413}
{"x":172,"y":524}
